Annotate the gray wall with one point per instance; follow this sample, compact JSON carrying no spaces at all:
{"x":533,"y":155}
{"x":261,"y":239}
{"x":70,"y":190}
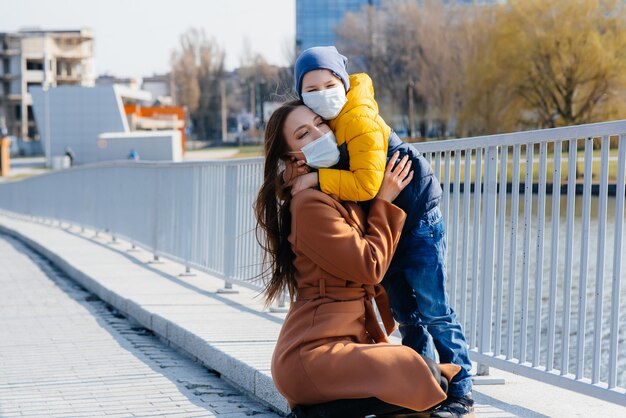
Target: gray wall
{"x":151,"y":146}
{"x":77,"y":116}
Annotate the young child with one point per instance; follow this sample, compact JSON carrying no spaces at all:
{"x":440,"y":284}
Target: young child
{"x":416,"y":278}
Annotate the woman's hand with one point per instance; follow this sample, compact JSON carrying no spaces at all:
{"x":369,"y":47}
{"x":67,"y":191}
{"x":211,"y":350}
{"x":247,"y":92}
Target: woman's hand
{"x":293,"y":169}
{"x":306,"y":181}
{"x":396,"y":178}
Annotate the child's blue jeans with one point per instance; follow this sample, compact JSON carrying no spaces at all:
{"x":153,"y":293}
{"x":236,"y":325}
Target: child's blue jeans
{"x":416,"y":284}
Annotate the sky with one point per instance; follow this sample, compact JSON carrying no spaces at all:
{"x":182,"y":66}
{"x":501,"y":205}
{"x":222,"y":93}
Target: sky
{"x":135,"y":38}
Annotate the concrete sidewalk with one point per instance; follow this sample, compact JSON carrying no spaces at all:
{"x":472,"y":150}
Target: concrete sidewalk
{"x":66,"y":353}
{"x":232,"y":333}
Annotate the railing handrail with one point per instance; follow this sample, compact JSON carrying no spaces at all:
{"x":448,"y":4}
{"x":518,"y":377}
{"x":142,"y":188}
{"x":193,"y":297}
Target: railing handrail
{"x":145,"y":164}
{"x":590,"y":130}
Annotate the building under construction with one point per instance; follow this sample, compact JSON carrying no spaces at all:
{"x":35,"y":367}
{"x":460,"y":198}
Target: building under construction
{"x":41,"y":58}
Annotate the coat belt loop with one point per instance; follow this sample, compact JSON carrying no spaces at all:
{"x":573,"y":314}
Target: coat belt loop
{"x":322,"y":288}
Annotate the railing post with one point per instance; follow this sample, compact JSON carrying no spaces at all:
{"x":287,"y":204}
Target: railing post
{"x":158,"y":216}
{"x":230,"y":228}
{"x":282,"y":307}
{"x":187,"y":272}
{"x":617,"y":262}
{"x":190,"y":222}
{"x":490,"y":193}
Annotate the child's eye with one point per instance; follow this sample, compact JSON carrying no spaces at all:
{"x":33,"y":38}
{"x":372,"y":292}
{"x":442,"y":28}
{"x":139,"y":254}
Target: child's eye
{"x":303,"y":134}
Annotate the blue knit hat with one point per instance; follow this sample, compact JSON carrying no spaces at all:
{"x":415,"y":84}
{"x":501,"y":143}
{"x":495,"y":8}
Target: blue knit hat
{"x":320,"y":57}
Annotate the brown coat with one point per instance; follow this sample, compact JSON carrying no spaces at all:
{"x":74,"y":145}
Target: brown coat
{"x":331,"y":346}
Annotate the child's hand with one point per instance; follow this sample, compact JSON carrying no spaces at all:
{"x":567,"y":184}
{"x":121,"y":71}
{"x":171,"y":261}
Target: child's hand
{"x":396,"y":178}
{"x":306,"y":181}
{"x":293,"y":169}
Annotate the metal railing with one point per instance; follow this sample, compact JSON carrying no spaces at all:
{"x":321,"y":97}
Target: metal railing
{"x":531,"y":297}
{"x":198,"y":214}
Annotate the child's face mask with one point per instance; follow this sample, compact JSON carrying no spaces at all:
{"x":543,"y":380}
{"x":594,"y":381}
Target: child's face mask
{"x":326,"y":103}
{"x":323,"y":152}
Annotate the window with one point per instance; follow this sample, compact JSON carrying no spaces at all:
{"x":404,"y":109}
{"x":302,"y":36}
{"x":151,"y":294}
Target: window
{"x":32,"y":84}
{"x":32,"y":132}
{"x":34,"y":65}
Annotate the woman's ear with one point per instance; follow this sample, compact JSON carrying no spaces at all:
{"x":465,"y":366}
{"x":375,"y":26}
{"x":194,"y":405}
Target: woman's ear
{"x":294,"y":156}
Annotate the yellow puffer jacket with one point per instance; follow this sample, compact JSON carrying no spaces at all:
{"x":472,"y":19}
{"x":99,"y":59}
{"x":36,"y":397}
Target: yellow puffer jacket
{"x":363,"y":130}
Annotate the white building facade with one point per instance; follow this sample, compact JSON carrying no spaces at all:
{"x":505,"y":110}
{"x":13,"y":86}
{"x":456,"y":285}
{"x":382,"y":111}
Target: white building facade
{"x":40,"y":58}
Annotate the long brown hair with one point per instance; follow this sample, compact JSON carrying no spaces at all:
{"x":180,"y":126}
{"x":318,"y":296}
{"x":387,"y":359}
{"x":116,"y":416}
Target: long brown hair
{"x":272,"y":210}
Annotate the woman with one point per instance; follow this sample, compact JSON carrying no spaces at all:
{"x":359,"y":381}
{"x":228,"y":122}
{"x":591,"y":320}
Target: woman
{"x":331,"y":258}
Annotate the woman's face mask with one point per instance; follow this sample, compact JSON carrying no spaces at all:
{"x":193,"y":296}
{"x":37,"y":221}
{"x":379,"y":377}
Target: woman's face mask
{"x":326,"y":103}
{"x":309,"y":138}
{"x":321,"y":153}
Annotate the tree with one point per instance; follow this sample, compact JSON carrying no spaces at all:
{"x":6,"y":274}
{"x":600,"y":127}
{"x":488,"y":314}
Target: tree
{"x":285,"y":79}
{"x":412,"y":45}
{"x":480,"y":69}
{"x":375,"y":42}
{"x":197,"y":72}
{"x":443,"y":34}
{"x":488,"y":105}
{"x":263,"y":82}
{"x":254,"y":72}
{"x":560,"y":63}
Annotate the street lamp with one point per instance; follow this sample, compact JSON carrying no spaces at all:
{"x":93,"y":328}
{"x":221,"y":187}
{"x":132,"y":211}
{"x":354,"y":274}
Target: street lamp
{"x":261,"y":99}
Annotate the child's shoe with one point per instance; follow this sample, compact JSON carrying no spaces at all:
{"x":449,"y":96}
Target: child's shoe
{"x":453,"y":407}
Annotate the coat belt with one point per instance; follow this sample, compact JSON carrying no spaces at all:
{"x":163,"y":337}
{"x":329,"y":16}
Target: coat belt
{"x":365,"y":293}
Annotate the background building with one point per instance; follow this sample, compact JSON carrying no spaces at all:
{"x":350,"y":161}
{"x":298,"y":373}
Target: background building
{"x":105,"y":122}
{"x":316,"y":20}
{"x":160,"y":86}
{"x":109,"y":80}
{"x":40,"y":58}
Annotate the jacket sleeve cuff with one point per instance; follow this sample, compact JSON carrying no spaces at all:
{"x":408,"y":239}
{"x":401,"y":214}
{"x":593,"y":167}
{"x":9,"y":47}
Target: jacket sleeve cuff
{"x":329,"y":181}
{"x":393,"y":213}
